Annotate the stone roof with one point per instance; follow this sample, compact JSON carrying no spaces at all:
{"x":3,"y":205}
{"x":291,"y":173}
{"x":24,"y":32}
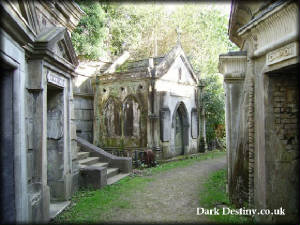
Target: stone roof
{"x":134,"y":66}
{"x":160,"y":65}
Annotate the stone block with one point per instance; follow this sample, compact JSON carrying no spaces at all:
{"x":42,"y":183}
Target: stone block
{"x":75,"y":182}
{"x":93,"y":177}
{"x":68,"y":185}
{"x":57,"y":190}
{"x":124,"y":164}
{"x":74,"y":149}
{"x":73,"y":130}
{"x":72,"y":112}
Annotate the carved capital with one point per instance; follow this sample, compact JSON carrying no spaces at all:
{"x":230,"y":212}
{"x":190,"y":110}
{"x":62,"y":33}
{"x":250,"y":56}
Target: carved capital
{"x":233,"y":65}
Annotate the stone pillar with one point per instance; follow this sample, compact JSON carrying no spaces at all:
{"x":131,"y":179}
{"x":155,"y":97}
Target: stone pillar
{"x":97,"y":116}
{"x":39,"y":196}
{"x":232,"y":66}
{"x":202,"y":144}
{"x":154,"y":113}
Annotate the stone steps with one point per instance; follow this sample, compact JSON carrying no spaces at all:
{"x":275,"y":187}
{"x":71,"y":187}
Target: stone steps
{"x":116,"y":178}
{"x":101,"y":164}
{"x":112,"y":174}
{"x":88,"y":161}
{"x":82,"y":155}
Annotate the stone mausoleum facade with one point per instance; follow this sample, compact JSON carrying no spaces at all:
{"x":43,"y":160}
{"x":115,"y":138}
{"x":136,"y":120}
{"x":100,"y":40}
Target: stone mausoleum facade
{"x":262,"y":107}
{"x":152,"y":103}
{"x":39,"y":166}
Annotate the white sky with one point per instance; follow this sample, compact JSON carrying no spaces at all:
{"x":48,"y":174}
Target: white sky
{"x":223,"y":7}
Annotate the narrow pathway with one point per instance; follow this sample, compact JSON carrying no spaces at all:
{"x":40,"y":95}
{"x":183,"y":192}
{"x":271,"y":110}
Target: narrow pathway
{"x":172,"y":196}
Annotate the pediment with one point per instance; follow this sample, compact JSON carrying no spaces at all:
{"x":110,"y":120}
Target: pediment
{"x":27,"y":10}
{"x":176,"y":67}
{"x":57,"y":41}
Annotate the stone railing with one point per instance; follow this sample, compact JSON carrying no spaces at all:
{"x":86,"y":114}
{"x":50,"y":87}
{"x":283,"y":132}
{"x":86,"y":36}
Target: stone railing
{"x":123,"y":163}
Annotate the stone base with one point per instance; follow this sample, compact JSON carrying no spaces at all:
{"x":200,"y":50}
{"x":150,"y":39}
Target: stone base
{"x":93,"y":177}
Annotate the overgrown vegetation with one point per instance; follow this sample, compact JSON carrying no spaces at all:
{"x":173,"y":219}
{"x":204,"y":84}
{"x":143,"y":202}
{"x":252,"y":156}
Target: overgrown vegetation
{"x":88,"y":206}
{"x":214,"y":195}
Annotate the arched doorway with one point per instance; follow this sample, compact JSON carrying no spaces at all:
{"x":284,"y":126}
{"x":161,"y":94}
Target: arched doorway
{"x":181,"y":125}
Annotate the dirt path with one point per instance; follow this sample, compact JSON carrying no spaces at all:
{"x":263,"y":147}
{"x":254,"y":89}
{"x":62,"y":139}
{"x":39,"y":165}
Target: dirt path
{"x":172,"y":196}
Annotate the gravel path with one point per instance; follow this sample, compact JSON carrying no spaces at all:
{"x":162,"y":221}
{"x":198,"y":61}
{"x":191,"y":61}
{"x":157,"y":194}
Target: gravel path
{"x":172,"y":196}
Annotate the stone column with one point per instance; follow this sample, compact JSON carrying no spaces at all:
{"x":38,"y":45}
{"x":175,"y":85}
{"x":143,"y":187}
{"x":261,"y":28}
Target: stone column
{"x":97,"y":116}
{"x":154,"y":112}
{"x":202,"y":144}
{"x":39,"y":196}
{"x":232,"y":66}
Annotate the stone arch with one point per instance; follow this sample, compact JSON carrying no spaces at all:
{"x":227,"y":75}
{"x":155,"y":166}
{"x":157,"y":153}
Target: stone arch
{"x":180,"y":125}
{"x":131,"y":117}
{"x":112,"y":117}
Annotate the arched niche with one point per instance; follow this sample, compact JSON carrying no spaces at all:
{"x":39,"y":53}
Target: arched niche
{"x":112,"y":117}
{"x":132,"y":117}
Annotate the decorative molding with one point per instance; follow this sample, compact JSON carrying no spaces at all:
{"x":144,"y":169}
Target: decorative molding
{"x":251,"y":136}
{"x":277,"y":28}
{"x":233,"y":67}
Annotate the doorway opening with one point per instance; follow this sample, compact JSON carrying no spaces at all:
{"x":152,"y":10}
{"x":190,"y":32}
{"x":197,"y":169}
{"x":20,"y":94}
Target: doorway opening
{"x":7,"y":195}
{"x":55,"y":149}
{"x":181,"y":129}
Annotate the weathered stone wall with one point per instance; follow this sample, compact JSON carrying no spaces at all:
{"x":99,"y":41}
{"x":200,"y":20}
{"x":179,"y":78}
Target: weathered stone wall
{"x":263,"y":153}
{"x":32,"y":58}
{"x":117,"y":105}
{"x":177,"y":88}
{"x":282,"y":141}
{"x":84,"y":114}
{"x":153,"y":104}
{"x":83,"y":92}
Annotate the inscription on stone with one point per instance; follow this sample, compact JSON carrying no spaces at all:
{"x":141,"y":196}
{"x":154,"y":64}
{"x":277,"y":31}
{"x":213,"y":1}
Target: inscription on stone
{"x":278,"y":55}
{"x":54,"y":79}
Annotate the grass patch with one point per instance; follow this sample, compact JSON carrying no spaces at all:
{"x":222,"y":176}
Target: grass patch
{"x":185,"y":162}
{"x":214,"y":193}
{"x":89,"y":206}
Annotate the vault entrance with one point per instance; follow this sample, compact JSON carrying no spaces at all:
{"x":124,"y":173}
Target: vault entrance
{"x":55,"y":143}
{"x":179,"y":147}
{"x":181,"y":130}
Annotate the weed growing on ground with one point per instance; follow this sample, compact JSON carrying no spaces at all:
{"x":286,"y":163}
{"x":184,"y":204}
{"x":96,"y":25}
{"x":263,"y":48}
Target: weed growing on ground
{"x":214,"y":195}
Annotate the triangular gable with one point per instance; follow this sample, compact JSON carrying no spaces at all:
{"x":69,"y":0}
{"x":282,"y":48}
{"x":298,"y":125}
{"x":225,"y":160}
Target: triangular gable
{"x":164,"y":66}
{"x":57,"y":40}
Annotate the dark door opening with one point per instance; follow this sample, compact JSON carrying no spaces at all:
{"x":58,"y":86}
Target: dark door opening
{"x":55,"y":143}
{"x":7,"y":198}
{"x":179,"y":131}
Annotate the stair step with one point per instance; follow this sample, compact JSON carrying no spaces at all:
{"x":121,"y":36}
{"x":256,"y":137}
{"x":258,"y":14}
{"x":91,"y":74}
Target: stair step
{"x":112,"y":172}
{"x":88,"y":161}
{"x":116,"y":178}
{"x":82,"y":155}
{"x":100,"y":164}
